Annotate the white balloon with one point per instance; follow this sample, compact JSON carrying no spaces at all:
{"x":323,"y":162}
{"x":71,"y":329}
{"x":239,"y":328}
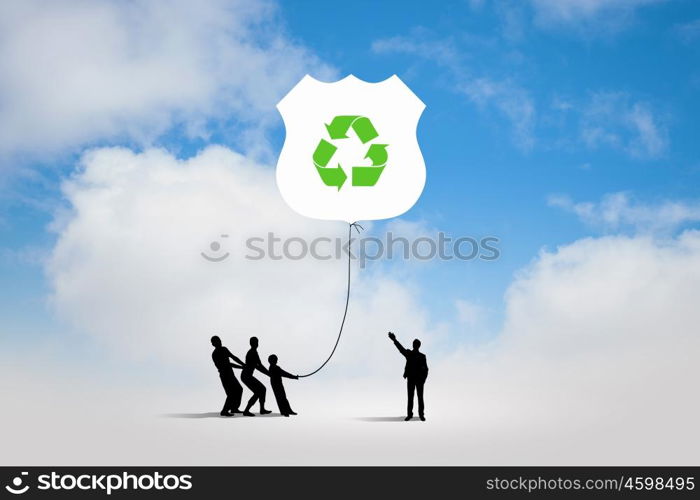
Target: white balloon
{"x":339,"y":190}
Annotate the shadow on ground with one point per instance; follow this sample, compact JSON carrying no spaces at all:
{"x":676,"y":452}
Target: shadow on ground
{"x":213,"y":414}
{"x":382,"y":419}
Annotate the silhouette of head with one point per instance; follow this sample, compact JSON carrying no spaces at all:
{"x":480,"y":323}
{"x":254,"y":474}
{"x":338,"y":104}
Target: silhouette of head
{"x":253,"y":342}
{"x":216,"y":341}
{"x":272,"y":359}
{"x":416,"y":344}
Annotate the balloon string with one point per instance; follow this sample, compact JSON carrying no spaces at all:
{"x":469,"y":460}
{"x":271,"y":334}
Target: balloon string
{"x":347,"y":302}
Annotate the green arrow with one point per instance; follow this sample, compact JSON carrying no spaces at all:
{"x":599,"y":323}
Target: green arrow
{"x":323,"y":153}
{"x":332,"y":176}
{"x":366,"y":176}
{"x":361,"y":176}
{"x":338,"y":128}
{"x":364,"y":129}
{"x":377,"y":153}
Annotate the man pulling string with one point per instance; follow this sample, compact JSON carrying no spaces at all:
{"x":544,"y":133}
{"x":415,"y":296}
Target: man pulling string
{"x":222,"y":356}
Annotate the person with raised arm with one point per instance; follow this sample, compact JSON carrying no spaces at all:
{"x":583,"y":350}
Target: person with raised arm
{"x":415,"y":372}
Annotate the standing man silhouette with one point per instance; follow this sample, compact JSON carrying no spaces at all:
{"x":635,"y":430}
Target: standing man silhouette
{"x":415,"y":373}
{"x":234,"y":391}
{"x":252,"y":361}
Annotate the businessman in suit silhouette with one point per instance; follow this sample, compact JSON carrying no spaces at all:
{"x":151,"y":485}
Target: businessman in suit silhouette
{"x":415,"y":373}
{"x":234,"y":391}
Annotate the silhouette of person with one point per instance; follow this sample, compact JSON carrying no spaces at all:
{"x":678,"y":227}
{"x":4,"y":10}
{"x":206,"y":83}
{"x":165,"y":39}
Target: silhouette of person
{"x":252,"y":362}
{"x":276,"y":374}
{"x":234,"y":391}
{"x":415,"y":373}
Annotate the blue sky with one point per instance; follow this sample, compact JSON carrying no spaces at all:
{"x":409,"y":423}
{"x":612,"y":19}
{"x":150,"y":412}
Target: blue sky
{"x":522,"y":104}
{"x":483,"y":179}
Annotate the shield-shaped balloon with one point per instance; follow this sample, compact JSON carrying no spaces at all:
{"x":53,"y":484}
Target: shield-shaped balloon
{"x":351,"y":151}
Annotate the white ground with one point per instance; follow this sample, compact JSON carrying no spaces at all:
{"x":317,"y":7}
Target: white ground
{"x":68,"y":422}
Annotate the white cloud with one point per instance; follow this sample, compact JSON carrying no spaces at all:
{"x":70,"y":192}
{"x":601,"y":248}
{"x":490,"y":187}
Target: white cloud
{"x":80,"y":72}
{"x":598,"y":335}
{"x":469,"y":313}
{"x":476,"y":4}
{"x":599,"y":344}
{"x":127,"y":268}
{"x":615,"y":120}
{"x":688,"y":32}
{"x":587,"y":17}
{"x":440,"y":51}
{"x":510,"y":100}
{"x":595,"y":328}
{"x":513,"y":20}
{"x":617,"y":211}
{"x":605,"y":119}
{"x":591,"y":15}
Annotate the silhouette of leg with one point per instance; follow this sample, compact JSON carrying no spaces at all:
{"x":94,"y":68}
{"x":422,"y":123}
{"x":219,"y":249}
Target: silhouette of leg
{"x":233,"y":391}
{"x":225,"y":412}
{"x":285,"y":407}
{"x":250,"y":384}
{"x":237,"y":396}
{"x":253,"y":399}
{"x":227,"y":402}
{"x":410,"y":386}
{"x":288,"y":407}
{"x":421,"y":407}
{"x":261,"y":397}
{"x":282,"y":402}
{"x":258,"y":390}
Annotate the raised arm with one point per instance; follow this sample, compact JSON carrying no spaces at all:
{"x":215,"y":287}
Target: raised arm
{"x":398,"y":345}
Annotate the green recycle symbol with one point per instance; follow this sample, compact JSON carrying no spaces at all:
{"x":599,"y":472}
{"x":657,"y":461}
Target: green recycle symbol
{"x":361,"y":176}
